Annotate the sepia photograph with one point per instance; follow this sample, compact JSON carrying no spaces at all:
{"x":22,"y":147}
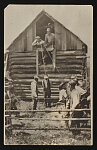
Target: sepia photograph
{"x":48,"y":75}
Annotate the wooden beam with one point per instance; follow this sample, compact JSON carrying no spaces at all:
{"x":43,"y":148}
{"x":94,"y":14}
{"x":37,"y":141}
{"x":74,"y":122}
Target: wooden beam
{"x":37,"y":69}
{"x":66,"y":110}
{"x":49,"y":119}
{"x":83,"y":129}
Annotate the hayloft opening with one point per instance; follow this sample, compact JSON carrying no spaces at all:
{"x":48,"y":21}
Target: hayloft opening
{"x":41,"y":30}
{"x":42,"y":24}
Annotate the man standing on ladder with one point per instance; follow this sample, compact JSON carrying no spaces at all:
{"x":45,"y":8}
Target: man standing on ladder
{"x":38,"y":44}
{"x":49,"y":45}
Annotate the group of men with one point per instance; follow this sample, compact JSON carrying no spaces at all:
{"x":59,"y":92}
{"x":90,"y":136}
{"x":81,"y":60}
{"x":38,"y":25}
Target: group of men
{"x":45,"y":47}
{"x":46,"y":91}
{"x":70,"y":92}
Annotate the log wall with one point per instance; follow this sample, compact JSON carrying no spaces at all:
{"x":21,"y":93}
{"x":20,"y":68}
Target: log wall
{"x":22,"y":67}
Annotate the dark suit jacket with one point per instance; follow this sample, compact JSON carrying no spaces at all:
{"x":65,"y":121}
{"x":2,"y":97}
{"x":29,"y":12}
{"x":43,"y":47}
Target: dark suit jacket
{"x":48,"y":88}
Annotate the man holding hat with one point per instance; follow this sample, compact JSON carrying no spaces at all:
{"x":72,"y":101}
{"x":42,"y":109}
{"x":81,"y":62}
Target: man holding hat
{"x":38,"y":43}
{"x":46,"y":90}
{"x":34,"y":90}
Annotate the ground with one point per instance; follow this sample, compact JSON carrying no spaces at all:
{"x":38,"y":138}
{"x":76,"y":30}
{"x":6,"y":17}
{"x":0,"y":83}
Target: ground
{"x":43,"y":137}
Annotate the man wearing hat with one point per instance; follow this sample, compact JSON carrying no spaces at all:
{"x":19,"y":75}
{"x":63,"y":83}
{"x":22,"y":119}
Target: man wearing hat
{"x":34,"y":91}
{"x":38,"y":43}
{"x":75,"y":96}
{"x":46,"y":90}
{"x":49,"y":43}
{"x":63,"y":92}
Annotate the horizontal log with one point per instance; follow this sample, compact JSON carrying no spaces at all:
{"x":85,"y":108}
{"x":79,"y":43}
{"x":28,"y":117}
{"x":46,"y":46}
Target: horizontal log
{"x":53,"y":77}
{"x":41,"y":97}
{"x":69,"y":65}
{"x":69,"y":57}
{"x":27,"y":62}
{"x":53,"y":129}
{"x":29,"y":88}
{"x":22,"y":71}
{"x":14,"y":55}
{"x":70,"y":50}
{"x":22,"y":59}
{"x":49,"y":119}
{"x":46,"y":111}
{"x":23,"y":66}
{"x":28,"y":93}
{"x":30,"y":76}
{"x":22,"y":52}
{"x":73,"y":53}
{"x":64,"y":71}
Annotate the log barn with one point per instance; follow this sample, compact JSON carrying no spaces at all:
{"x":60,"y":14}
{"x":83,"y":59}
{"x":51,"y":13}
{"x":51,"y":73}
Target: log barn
{"x":68,"y":58}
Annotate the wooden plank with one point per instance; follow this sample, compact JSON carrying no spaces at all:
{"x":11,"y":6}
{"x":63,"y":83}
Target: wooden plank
{"x":22,"y":58}
{"x":53,"y":77}
{"x":63,"y":129}
{"x":46,"y":111}
{"x":23,"y":66}
{"x":69,"y":60}
{"x":49,"y":119}
{"x":22,"y":55}
{"x":22,"y":71}
{"x":40,"y":98}
{"x":21,"y":52}
{"x":27,"y":62}
{"x":29,"y":88}
{"x":69,"y":53}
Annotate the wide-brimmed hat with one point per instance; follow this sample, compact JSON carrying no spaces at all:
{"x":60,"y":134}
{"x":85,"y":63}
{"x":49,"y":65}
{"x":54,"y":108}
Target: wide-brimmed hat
{"x":35,"y":77}
{"x":73,"y":77}
{"x":48,"y":29}
{"x":37,"y":37}
{"x":45,"y":77}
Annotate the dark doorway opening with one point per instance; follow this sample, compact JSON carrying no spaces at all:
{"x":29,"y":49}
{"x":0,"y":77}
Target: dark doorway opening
{"x":41,"y":27}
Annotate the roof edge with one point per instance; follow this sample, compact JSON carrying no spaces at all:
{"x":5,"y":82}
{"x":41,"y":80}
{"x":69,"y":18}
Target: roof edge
{"x":43,"y":12}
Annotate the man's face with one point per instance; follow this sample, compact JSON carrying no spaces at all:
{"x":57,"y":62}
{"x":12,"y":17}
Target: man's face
{"x":80,"y":83}
{"x":48,"y":31}
{"x":36,"y":80}
{"x":38,"y":40}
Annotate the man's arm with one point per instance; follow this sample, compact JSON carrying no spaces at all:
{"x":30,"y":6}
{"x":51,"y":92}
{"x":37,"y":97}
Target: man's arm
{"x":34,"y":43}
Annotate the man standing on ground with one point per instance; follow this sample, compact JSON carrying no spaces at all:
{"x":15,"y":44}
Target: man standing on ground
{"x":34,"y":90}
{"x":63,"y":92}
{"x":46,"y":90}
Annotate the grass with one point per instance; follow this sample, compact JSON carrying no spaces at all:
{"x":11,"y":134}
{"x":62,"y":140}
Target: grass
{"x":43,"y":137}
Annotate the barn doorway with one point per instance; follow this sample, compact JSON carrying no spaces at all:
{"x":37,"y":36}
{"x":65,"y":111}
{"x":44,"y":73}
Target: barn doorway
{"x":41,"y":27}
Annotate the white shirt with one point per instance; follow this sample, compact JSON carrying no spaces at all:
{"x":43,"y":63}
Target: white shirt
{"x":75,"y":98}
{"x":62,"y":94}
{"x":80,"y":90}
{"x":33,"y":88}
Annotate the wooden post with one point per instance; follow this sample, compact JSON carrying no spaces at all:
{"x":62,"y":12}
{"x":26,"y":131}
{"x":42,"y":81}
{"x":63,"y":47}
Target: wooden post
{"x":54,"y":59}
{"x":37,"y":70}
